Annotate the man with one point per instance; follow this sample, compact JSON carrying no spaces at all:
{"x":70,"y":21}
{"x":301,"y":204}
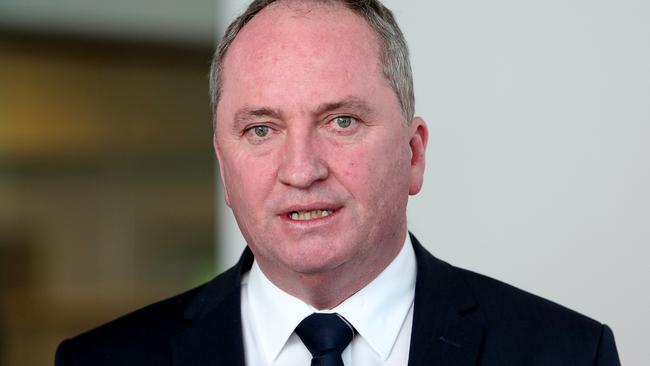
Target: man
{"x":319,"y":150}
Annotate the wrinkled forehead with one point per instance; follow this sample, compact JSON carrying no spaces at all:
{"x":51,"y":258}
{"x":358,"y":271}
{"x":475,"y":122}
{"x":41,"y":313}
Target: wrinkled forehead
{"x":302,"y":41}
{"x":317,"y":17}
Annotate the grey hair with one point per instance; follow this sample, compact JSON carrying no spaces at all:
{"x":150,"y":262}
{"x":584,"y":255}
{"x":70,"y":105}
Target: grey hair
{"x":394,"y":56}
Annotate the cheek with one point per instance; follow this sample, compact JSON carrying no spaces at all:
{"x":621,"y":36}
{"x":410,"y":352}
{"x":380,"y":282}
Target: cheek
{"x":382,"y":174}
{"x":361,"y":169}
{"x":351,"y":168}
{"x":355,"y":165}
{"x":247,"y":179}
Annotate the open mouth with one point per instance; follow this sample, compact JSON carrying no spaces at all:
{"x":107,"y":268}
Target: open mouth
{"x":308,"y":215}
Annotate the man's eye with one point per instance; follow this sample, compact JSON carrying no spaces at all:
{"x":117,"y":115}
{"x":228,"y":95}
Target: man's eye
{"x":344,"y":121}
{"x":261,"y":131}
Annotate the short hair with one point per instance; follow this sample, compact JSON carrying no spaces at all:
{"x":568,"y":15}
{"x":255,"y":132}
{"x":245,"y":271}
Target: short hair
{"x":394,"y":54}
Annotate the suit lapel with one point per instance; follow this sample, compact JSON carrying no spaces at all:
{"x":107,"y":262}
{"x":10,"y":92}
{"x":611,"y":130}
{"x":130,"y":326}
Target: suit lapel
{"x":214,"y":335}
{"x":447,"y":325}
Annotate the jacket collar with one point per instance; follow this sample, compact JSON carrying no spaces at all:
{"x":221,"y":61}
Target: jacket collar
{"x":215,"y":330}
{"x":447,"y":324}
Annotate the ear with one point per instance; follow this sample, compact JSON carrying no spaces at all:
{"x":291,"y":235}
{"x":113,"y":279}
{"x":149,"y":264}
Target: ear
{"x":222,"y":172}
{"x":419,"y":136}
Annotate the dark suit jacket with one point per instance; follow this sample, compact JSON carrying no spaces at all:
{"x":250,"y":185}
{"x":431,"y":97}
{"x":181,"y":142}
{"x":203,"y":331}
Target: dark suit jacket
{"x":460,"y":318}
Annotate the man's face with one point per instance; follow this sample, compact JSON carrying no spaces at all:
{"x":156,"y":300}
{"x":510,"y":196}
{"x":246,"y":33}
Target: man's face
{"x":315,"y":156}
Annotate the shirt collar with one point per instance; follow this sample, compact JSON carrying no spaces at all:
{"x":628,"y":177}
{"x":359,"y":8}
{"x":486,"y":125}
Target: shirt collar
{"x":377,"y":311}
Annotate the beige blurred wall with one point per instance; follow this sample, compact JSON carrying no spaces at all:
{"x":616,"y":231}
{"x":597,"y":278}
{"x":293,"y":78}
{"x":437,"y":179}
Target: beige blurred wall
{"x":106,"y":182}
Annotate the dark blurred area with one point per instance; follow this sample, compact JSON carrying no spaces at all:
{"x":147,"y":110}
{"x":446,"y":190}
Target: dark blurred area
{"x":107,"y":176}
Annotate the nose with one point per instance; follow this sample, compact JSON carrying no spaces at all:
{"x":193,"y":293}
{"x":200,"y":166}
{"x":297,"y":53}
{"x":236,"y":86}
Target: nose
{"x":302,"y":164}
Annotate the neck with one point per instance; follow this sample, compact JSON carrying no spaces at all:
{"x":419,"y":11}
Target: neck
{"x":327,"y":289}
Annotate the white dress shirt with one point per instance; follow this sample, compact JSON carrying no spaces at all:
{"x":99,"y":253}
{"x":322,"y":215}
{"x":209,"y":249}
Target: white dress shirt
{"x":382,"y":313}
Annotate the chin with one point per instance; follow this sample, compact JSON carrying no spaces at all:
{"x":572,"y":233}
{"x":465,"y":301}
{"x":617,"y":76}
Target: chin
{"x":315,"y":263}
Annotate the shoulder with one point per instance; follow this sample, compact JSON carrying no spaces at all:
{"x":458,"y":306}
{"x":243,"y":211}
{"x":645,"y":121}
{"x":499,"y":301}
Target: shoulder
{"x":506,"y":306}
{"x":518,"y":322}
{"x":517,"y":326}
{"x":502,"y":305}
{"x":143,"y":336}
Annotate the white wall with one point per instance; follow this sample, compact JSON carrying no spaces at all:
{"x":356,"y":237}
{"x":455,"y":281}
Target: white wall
{"x":538,"y":161}
{"x":188,"y":22}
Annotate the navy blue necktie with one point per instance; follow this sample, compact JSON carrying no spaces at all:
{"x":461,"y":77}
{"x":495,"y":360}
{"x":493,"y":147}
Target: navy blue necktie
{"x":325,"y":336}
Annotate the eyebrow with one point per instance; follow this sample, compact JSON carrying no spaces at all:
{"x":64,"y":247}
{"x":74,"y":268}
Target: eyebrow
{"x":251,"y":113}
{"x":349,"y":103}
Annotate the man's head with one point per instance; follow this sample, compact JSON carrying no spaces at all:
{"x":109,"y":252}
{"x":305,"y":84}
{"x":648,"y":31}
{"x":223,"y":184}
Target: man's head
{"x":316,"y":160}
{"x":394,"y":55}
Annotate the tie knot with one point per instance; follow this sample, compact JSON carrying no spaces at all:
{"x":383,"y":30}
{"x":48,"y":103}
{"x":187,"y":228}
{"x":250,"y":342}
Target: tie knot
{"x":325,"y":334}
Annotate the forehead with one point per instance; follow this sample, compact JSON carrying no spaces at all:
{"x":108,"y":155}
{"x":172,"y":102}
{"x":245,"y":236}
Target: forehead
{"x":305,"y":48}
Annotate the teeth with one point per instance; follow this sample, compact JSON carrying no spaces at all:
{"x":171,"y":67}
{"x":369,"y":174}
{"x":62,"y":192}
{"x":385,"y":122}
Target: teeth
{"x":309,"y":215}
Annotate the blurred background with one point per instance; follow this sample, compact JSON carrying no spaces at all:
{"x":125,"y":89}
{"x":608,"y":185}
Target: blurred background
{"x":537,"y":172}
{"x":107,"y":176}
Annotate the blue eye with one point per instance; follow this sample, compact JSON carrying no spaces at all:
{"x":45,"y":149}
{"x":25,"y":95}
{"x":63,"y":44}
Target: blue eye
{"x":261,"y":131}
{"x":344,"y":121}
